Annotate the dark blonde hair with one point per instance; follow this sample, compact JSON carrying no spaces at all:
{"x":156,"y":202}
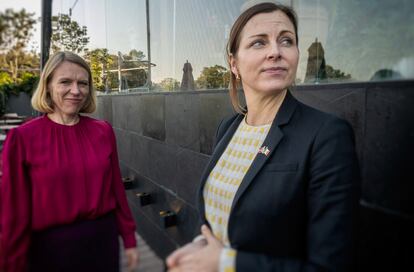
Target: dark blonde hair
{"x":234,"y":40}
{"x":42,"y":101}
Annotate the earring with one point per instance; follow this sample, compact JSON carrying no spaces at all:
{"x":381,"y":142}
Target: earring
{"x":237,"y":77}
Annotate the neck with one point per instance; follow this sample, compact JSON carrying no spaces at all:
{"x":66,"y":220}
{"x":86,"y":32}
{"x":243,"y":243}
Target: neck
{"x":263,"y":110}
{"x":63,"y":119}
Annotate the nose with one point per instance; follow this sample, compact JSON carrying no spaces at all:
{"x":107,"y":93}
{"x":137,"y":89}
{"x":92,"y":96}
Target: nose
{"x":274,"y":51}
{"x":75,"y":88}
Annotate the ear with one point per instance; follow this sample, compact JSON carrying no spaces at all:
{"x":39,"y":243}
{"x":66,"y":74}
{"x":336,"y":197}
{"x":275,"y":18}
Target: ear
{"x":233,"y":64}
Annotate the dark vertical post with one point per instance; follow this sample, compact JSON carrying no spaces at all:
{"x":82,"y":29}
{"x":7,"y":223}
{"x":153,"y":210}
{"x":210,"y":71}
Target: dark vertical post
{"x":149,"y":82}
{"x":46,"y":32}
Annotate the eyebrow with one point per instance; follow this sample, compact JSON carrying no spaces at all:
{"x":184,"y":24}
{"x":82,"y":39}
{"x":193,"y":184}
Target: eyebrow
{"x":67,"y":78}
{"x":261,"y":35}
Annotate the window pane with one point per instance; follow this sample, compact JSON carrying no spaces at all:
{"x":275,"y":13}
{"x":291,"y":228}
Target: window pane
{"x":354,"y":40}
{"x":339,"y":41}
{"x":193,"y":31}
{"x":114,"y":40}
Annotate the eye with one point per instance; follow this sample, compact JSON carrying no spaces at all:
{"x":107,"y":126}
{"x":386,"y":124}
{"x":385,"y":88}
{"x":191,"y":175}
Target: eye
{"x":84,"y":83}
{"x":286,"y":41}
{"x":65,"y":82}
{"x":258,"y":43}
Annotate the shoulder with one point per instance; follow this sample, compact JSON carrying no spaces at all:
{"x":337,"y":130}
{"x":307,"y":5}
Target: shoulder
{"x":21,"y":136}
{"x":326,"y":129}
{"x":319,"y":120}
{"x":29,"y":126}
{"x":26,"y":131}
{"x":228,"y":120}
{"x":225,"y":123}
{"x":93,"y":123}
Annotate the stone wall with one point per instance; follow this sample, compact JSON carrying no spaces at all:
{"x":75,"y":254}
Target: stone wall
{"x":165,"y":140}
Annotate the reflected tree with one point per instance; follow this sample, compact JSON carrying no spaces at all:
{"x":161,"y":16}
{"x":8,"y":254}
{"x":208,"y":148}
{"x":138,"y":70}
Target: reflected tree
{"x":100,"y":60}
{"x":68,"y":35}
{"x":383,"y":74}
{"x":134,"y":68}
{"x":336,"y":74}
{"x":168,"y":84}
{"x":213,"y":77}
{"x":16,"y":29}
{"x":104,"y":68}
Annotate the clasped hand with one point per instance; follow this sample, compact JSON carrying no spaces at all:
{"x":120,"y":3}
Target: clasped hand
{"x":200,"y":256}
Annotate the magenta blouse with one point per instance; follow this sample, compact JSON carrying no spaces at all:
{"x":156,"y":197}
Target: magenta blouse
{"x":55,"y":174}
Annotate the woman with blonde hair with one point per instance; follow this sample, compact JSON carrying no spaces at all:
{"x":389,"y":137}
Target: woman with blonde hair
{"x":63,"y":204}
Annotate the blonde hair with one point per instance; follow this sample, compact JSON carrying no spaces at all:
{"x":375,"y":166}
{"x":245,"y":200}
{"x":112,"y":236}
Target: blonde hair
{"x":41,"y":99}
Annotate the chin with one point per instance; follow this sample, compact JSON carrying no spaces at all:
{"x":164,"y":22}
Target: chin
{"x":72,"y":112}
{"x":274,"y":89}
{"x":275,"y":86}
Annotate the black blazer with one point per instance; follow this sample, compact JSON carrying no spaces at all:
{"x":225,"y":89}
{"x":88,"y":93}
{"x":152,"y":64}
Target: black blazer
{"x":296,"y":207}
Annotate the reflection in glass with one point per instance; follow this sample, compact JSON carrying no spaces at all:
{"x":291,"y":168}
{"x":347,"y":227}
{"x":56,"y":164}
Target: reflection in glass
{"x":187,"y":83}
{"x":114,"y":40}
{"x":339,"y":41}
{"x":359,"y":38}
{"x":191,"y":30}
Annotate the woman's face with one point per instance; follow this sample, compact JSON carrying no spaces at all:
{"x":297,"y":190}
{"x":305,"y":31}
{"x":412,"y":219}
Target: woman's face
{"x":268,"y":55}
{"x":69,"y":88}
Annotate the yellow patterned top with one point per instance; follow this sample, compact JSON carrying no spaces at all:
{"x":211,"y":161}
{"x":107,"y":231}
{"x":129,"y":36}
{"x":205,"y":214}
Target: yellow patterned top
{"x":224,"y":180}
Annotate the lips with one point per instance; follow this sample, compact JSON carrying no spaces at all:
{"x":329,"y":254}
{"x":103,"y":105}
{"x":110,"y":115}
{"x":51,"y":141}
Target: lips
{"x":73,"y":100}
{"x":275,"y":70}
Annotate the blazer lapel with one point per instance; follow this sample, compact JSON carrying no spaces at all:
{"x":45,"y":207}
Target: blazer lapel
{"x":270,"y":143}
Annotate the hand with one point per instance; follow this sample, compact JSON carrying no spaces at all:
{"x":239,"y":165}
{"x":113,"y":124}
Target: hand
{"x":174,"y":269}
{"x":132,"y":256}
{"x":206,"y":259}
{"x":174,"y":258}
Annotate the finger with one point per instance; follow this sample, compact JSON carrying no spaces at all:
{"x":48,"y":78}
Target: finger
{"x":174,"y":257}
{"x":185,"y":260}
{"x":208,"y":234}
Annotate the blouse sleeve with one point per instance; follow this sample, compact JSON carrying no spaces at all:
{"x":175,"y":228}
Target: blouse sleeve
{"x":125,"y":222}
{"x":15,"y":199}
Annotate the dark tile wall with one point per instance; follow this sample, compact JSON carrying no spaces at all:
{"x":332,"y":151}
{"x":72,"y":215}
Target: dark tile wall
{"x":165,"y":140}
{"x":163,"y":144}
{"x":19,"y":104}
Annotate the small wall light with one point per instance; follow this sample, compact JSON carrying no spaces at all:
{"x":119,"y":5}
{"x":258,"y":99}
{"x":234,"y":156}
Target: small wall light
{"x":168,"y":218}
{"x":144,"y":198}
{"x":128,"y":183}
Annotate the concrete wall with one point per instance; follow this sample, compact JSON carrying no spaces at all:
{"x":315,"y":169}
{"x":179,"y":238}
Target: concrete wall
{"x":20,"y":104}
{"x":165,"y":141}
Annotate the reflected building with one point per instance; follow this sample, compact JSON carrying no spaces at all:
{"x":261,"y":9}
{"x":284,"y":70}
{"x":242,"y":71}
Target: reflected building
{"x":316,"y":67}
{"x":187,"y":82}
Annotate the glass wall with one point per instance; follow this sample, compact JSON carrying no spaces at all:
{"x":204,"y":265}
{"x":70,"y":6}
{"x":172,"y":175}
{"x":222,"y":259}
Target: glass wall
{"x":355,"y":40}
{"x":339,"y":41}
{"x":111,"y":35}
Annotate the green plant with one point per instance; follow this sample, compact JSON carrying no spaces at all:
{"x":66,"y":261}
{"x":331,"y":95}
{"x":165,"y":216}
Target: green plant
{"x":27,"y":85}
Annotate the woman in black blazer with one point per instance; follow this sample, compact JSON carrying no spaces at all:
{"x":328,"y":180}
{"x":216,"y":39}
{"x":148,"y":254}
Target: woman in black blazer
{"x":280,"y":192}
